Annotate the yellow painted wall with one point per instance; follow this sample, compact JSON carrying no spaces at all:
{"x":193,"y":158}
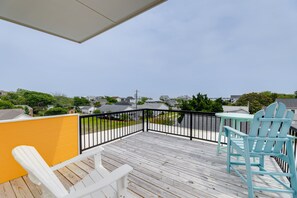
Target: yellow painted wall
{"x":55,"y":138}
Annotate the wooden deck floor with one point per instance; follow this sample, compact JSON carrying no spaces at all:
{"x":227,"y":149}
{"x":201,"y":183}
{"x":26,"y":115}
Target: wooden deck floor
{"x":164,"y":166}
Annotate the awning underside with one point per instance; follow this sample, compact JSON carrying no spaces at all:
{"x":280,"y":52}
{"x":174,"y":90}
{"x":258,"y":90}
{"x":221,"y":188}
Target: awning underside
{"x":76,"y":20}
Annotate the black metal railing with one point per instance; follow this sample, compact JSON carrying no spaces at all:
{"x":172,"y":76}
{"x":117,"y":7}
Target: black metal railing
{"x":98,"y":129}
{"x":282,"y":164}
{"x":194,"y":125}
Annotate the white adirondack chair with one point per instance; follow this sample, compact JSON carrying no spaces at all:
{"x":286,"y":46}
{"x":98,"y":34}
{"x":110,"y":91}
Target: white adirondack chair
{"x":99,"y":183}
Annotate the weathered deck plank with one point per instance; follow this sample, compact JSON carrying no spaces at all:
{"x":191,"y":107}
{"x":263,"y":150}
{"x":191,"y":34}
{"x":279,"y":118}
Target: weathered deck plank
{"x":164,"y":166}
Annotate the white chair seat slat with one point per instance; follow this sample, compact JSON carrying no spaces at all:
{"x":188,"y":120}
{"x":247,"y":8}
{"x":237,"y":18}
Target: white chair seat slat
{"x":87,"y":181}
{"x":80,"y":186}
{"x":108,"y":191}
{"x":104,"y":173}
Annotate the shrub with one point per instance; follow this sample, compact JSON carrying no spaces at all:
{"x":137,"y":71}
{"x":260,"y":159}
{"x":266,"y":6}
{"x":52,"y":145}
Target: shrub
{"x":55,"y":111}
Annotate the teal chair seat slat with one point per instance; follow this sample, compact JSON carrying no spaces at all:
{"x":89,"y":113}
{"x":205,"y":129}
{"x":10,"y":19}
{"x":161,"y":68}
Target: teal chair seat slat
{"x":268,"y":134}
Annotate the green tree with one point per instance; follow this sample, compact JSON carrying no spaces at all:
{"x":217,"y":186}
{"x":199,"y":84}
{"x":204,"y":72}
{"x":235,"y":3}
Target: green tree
{"x":202,"y":103}
{"x":38,"y":100}
{"x":142,"y":100}
{"x":80,"y":101}
{"x":110,"y":100}
{"x":217,"y":105}
{"x":55,"y":111}
{"x":97,"y":111}
{"x":27,"y":111}
{"x":6,"y":104}
{"x":257,"y":101}
{"x":63,"y":101}
{"x":254,"y":100}
{"x":14,"y":98}
{"x":97,"y":104}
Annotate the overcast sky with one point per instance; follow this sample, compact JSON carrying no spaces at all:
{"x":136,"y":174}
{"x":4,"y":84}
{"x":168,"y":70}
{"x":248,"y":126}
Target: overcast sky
{"x":182,"y":47}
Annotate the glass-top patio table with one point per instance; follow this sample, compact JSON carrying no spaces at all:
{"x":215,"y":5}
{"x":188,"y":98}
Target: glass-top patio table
{"x":236,"y":119}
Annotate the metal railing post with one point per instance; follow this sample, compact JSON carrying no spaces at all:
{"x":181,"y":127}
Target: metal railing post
{"x":80,"y":134}
{"x":191,"y":126}
{"x":143,"y":117}
{"x":147,"y":120}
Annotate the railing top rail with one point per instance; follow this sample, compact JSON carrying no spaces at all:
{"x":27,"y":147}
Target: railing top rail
{"x":110,"y":113}
{"x":183,"y":111}
{"x":176,"y":111}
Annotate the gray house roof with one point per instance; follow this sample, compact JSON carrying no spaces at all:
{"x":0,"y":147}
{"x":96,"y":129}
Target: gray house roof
{"x":171,"y":102}
{"x":123,"y":103}
{"x":114,"y":108}
{"x":84,"y":107}
{"x":102,"y":101}
{"x":153,"y":106}
{"x":291,"y":103}
{"x":8,"y":114}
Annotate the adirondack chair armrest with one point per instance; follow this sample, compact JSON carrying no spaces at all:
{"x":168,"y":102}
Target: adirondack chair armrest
{"x":93,"y":152}
{"x":229,"y":130}
{"x":292,"y":137}
{"x":115,"y":176}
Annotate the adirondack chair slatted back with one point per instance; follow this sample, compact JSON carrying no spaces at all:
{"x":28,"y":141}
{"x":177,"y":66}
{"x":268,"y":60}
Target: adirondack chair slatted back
{"x":34,"y":164}
{"x":270,"y":124}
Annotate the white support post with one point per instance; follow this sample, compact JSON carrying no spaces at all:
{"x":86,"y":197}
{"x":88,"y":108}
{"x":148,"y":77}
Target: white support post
{"x":97,"y":161}
{"x":122,"y":185}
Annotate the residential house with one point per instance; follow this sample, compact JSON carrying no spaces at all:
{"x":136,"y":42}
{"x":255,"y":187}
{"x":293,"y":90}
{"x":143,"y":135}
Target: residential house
{"x":91,"y":98}
{"x":185,"y":97}
{"x":164,"y":97}
{"x":117,"y":98}
{"x":236,"y":109}
{"x":2,"y":93}
{"x":124,"y":103}
{"x":172,"y":102}
{"x":13,"y":114}
{"x":114,"y":108}
{"x":87,"y":109}
{"x":153,"y":105}
{"x":30,"y":109}
{"x":102,"y":101}
{"x":234,"y":98}
{"x":291,"y":103}
{"x":129,"y":99}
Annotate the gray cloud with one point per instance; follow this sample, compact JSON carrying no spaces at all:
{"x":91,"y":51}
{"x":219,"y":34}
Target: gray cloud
{"x":181,"y":47}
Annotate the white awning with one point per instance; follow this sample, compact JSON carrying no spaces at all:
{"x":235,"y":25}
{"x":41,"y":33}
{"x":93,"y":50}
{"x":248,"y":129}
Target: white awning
{"x":76,"y":20}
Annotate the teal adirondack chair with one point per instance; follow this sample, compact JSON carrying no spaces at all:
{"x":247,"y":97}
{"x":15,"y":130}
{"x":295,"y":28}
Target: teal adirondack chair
{"x":268,"y":134}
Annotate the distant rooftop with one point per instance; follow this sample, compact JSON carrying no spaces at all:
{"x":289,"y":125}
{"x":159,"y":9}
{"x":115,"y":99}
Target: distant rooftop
{"x":156,"y":105}
{"x":114,"y":108}
{"x":291,"y":103}
{"x":8,"y":114}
